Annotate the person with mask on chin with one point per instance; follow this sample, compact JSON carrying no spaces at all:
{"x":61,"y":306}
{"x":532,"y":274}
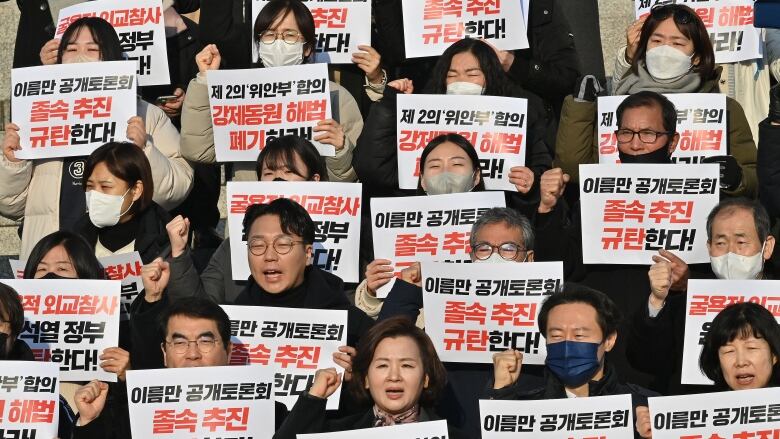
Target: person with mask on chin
{"x":669,"y":52}
{"x":284,"y":36}
{"x":580,"y":325}
{"x":740,"y":246}
{"x":49,"y":193}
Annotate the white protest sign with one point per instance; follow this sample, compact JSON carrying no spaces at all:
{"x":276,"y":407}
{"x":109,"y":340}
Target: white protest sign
{"x":729,"y":23}
{"x":70,"y":322}
{"x":701,"y":123}
{"x":141,"y":29}
{"x":629,"y":212}
{"x":724,"y":415}
{"x":252,"y":106}
{"x":17,"y":268}
{"x":334,"y":208}
{"x":574,"y":418}
{"x":427,"y":228}
{"x":125,"y":267}
{"x":475,"y":310}
{"x":295,"y":341}
{"x":414,"y":430}
{"x":495,"y":125}
{"x":29,"y":399}
{"x":201,"y":402}
{"x":704,"y":300}
{"x":432,"y":26}
{"x":340,"y":26}
{"x":66,"y":110}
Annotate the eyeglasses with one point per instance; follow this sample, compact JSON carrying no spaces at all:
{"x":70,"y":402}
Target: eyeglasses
{"x":681,"y":15}
{"x":281,"y":246}
{"x":288,"y":36}
{"x":507,"y":250}
{"x":625,"y":135}
{"x":204,"y":345}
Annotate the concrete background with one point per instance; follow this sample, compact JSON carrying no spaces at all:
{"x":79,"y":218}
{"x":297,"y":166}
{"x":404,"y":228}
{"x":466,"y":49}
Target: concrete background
{"x":614,"y":17}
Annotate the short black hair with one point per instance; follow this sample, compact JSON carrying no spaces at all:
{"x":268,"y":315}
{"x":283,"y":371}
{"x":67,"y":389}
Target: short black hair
{"x":127,"y":162}
{"x":197,"y":308}
{"x":729,"y":205}
{"x":650,"y":99}
{"x":274,"y":8}
{"x":281,"y":152}
{"x":82,"y":255}
{"x":608,"y":314}
{"x":462,"y":143}
{"x":739,"y":320}
{"x":102,"y":32}
{"x":496,"y":81}
{"x":11,"y":310}
{"x":293,"y":218}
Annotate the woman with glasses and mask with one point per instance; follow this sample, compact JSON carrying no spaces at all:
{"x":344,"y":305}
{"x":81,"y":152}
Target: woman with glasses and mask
{"x":48,"y":193}
{"x":669,"y":52}
{"x":284,"y":36}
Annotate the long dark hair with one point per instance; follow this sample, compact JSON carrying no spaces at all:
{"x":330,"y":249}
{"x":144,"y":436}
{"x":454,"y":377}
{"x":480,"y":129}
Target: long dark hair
{"x":275,"y":8}
{"x":81,"y":255}
{"x":496,"y":82}
{"x":690,"y":25}
{"x":102,"y":32}
{"x":463,"y":144}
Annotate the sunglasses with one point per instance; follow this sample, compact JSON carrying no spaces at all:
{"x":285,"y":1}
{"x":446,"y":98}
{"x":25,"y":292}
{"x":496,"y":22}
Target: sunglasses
{"x":681,"y":16}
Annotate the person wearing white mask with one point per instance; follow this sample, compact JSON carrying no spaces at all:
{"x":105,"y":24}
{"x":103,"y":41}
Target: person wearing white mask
{"x":740,"y":246}
{"x":284,"y":36}
{"x":48,"y":193}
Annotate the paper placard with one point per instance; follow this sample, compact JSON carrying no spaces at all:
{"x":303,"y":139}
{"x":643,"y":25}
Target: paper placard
{"x":427,"y":228}
{"x":250,"y":107}
{"x":29,"y":399}
{"x":495,"y":125}
{"x":415,"y":430}
{"x":473,"y":311}
{"x":67,"y":110}
{"x":629,"y":212}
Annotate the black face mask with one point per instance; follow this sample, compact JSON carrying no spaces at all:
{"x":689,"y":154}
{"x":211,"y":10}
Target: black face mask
{"x":55,"y":276}
{"x":279,"y":179}
{"x":660,"y":155}
{"x":3,"y":350}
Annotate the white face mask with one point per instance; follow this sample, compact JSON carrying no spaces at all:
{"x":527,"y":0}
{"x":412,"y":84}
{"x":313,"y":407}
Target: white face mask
{"x":105,"y":210}
{"x":80,"y":58}
{"x":449,"y":183}
{"x":737,"y":267}
{"x":666,"y":62}
{"x":465,"y":88}
{"x":279,"y":53}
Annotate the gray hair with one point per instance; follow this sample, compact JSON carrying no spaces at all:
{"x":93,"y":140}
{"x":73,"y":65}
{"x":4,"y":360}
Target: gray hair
{"x":508,"y":216}
{"x":760,"y":215}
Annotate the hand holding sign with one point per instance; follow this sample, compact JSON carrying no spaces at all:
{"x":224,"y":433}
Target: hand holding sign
{"x":11,"y":142}
{"x":330,"y":133}
{"x":90,"y":401}
{"x":116,"y":360}
{"x":730,"y":171}
{"x":136,"y":131}
{"x":506,"y":368}
{"x":522,"y":178}
{"x":344,"y":359}
{"x":369,"y":61}
{"x":643,"y":425}
{"x":49,"y":52}
{"x":378,"y":274}
{"x":412,"y":274}
{"x":178,"y":234}
{"x":326,"y":381}
{"x":155,"y":275}
{"x":551,"y":187}
{"x":208,"y":58}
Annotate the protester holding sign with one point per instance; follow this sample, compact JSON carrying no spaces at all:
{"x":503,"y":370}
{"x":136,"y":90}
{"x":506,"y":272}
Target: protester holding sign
{"x":14,"y":349}
{"x":52,"y":187}
{"x":580,"y":326}
{"x":739,"y":243}
{"x":284,"y":29}
{"x":673,"y":55}
{"x":63,"y":255}
{"x":396,"y":367}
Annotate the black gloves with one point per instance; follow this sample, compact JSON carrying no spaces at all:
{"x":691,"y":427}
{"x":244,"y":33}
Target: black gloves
{"x":730,"y":171}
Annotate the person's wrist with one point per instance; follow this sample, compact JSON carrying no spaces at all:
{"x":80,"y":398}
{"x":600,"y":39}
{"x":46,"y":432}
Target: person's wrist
{"x":545,"y":208}
{"x":656,"y":302}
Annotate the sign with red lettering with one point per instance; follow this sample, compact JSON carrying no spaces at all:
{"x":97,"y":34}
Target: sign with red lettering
{"x":252,"y":106}
{"x":141,"y":29}
{"x":295,"y":341}
{"x":70,"y":322}
{"x":202,"y":402}
{"x":340,"y":27}
{"x":629,"y":212}
{"x":427,"y":228}
{"x":729,"y":22}
{"x":707,"y":298}
{"x":743,"y":414}
{"x":413,"y":430}
{"x":495,"y":125}
{"x":29,"y":399}
{"x":334,"y":208}
{"x":701,"y":123}
{"x":66,"y":110}
{"x":475,"y":310}
{"x":430,"y":26}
